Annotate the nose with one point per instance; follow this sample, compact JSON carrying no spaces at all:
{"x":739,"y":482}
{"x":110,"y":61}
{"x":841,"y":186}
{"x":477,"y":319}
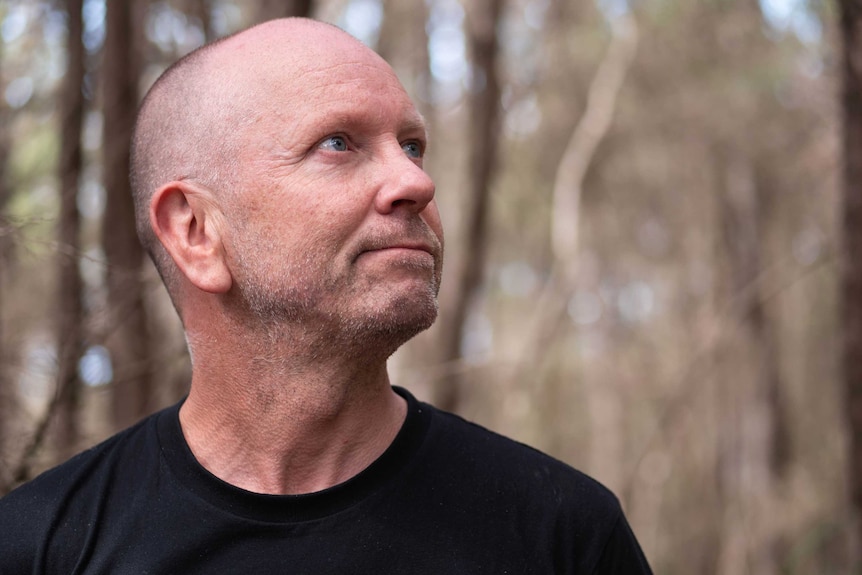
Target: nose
{"x":404,"y":184}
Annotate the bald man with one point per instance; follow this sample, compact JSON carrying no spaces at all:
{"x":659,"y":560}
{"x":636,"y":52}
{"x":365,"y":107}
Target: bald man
{"x":279,"y":189}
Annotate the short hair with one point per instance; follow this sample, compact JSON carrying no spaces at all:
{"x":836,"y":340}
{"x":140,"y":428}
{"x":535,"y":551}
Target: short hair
{"x":178,"y":136}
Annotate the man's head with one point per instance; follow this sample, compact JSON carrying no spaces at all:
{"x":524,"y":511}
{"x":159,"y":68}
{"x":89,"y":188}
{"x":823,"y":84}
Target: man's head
{"x":278,"y":178}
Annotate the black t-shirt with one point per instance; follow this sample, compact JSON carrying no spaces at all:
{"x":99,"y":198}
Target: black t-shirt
{"x":446,"y":497}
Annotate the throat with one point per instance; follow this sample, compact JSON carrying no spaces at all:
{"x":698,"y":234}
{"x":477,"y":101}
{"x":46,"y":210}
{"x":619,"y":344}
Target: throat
{"x":270,"y":445}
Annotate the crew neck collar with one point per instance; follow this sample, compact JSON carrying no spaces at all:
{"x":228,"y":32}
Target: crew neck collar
{"x":292,"y":508}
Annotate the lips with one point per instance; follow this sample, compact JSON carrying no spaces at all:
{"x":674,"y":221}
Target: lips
{"x":405,"y":252}
{"x":430,"y":245}
{"x":405,"y":246}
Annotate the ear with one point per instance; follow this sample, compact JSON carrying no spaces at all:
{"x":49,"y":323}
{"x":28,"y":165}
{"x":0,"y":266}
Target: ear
{"x":185,"y":217}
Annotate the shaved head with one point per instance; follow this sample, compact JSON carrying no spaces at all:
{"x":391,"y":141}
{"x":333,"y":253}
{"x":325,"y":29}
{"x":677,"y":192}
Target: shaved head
{"x":190,"y":122}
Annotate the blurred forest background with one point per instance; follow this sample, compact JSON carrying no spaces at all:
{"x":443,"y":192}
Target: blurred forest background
{"x":650,"y":246}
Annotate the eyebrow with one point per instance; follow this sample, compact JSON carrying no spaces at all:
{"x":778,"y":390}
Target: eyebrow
{"x":416,"y":122}
{"x":411,"y":121}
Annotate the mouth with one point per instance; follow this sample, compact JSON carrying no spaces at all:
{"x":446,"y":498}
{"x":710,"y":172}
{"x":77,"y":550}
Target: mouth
{"x":405,"y":247}
{"x":417,"y":247}
{"x":408,"y":254}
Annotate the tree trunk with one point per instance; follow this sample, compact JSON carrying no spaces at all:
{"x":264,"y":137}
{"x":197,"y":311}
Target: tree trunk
{"x":200,"y":9}
{"x":605,"y":409}
{"x":7,"y":394}
{"x":70,"y":313}
{"x":270,"y":9}
{"x":127,"y":331}
{"x":403,"y":42}
{"x":754,"y":447}
{"x":603,"y":402}
{"x":580,"y":150}
{"x":851,"y":281}
{"x":482,"y":19}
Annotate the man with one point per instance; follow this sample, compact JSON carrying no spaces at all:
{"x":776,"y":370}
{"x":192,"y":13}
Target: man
{"x":279,"y":188}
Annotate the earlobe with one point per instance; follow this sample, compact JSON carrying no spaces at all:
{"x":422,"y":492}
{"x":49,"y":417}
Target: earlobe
{"x":185,"y":218}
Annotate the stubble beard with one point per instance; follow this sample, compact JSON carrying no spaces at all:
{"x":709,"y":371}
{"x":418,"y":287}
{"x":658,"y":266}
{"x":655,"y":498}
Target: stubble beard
{"x":335,"y":314}
{"x":390,"y":319}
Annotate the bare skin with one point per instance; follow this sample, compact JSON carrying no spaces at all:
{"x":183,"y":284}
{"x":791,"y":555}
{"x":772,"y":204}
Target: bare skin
{"x":297,"y":283}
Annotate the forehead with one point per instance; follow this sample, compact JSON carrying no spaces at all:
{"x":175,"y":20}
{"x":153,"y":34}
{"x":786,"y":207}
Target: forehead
{"x":350,"y":86}
{"x":315,"y":72}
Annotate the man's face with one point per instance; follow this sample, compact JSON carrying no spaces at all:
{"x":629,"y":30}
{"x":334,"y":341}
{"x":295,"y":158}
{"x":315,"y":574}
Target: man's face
{"x":333,"y":222}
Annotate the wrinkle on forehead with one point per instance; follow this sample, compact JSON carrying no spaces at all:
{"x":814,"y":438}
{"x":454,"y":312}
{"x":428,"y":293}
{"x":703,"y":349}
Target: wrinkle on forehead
{"x":346,"y":85}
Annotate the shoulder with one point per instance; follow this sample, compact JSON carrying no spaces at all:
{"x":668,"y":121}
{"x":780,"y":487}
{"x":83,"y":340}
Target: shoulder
{"x":66,"y":474}
{"x":569,"y":515}
{"x":490,"y":453}
{"x":61,"y":500}
{"x":520,"y":473}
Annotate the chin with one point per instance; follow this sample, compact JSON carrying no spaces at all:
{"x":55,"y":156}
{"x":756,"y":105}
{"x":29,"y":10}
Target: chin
{"x":387,"y":325}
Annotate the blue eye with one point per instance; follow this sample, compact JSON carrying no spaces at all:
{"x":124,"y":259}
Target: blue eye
{"x":335,"y":144}
{"x":412,"y":149}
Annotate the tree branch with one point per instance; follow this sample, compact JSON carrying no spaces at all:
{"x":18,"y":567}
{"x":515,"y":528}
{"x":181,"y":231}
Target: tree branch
{"x":568,"y":184}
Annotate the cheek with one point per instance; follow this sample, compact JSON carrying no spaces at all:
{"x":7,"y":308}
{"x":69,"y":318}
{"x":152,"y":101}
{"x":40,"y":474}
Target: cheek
{"x":331,"y":202}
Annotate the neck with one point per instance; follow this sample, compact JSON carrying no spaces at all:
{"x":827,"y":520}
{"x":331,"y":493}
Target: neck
{"x":287,"y":416}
